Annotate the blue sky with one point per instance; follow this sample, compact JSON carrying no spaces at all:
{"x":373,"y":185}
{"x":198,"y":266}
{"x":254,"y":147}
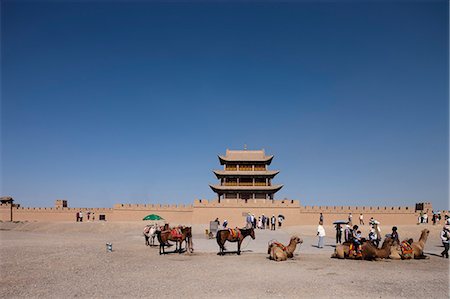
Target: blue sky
{"x":114,"y":102}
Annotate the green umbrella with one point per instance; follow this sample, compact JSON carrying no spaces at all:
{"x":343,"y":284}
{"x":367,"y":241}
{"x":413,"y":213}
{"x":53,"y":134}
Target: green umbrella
{"x":153,"y":217}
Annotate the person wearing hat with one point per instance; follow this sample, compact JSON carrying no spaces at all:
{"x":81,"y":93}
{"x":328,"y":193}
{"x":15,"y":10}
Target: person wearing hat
{"x":445,"y":237}
{"x":394,"y":235}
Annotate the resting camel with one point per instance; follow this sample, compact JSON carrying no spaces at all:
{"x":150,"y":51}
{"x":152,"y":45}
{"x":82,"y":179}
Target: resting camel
{"x":278,"y":252}
{"x":417,"y":248}
{"x":368,"y":251}
{"x":178,"y":235}
{"x":233,"y":235}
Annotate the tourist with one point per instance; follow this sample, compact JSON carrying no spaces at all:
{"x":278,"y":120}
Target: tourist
{"x":253,"y":221}
{"x":394,"y":235}
{"x":371,"y":221}
{"x":361,"y":219}
{"x":445,"y":237}
{"x":267,"y":223}
{"x":321,"y":218}
{"x":373,"y":237}
{"x":280,"y":221}
{"x":320,"y":234}
{"x":338,"y":233}
{"x":447,"y":220}
{"x":78,"y":216}
{"x":350,"y":218}
{"x":425,"y":218}
{"x":248,"y":221}
{"x":81,"y":216}
{"x":93,"y":216}
{"x":225,"y":223}
{"x":217,"y":221}
{"x":273,"y":222}
{"x":263,"y":220}
{"x":260,"y":223}
{"x":421,"y":217}
{"x":348,"y":233}
{"x":356,"y":238}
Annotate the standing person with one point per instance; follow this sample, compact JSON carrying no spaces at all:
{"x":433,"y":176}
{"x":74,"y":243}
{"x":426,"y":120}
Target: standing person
{"x":321,"y":218}
{"x":445,"y":237}
{"x":361,"y":219}
{"x":421,"y":217}
{"x":88,"y":215}
{"x":434,"y":218}
{"x":78,"y":216}
{"x":267,"y":223}
{"x":320,"y":234}
{"x":263,"y":220}
{"x":394,"y":235}
{"x":259,"y":223}
{"x":248,"y":221}
{"x":350,"y":218}
{"x":338,"y":233}
{"x":280,"y":221}
{"x":253,"y":221}
{"x":93,"y":216}
{"x":81,"y":216}
{"x":225,"y":223}
{"x":273,"y":221}
{"x":425,"y":218}
{"x":348,"y":233}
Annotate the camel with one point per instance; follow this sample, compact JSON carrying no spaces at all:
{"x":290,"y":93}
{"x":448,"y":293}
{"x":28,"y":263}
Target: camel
{"x":417,"y":248}
{"x":278,"y":252}
{"x":368,"y":251}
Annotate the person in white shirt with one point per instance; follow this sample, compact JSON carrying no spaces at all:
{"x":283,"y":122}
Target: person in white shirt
{"x":445,"y":238}
{"x":320,"y":234}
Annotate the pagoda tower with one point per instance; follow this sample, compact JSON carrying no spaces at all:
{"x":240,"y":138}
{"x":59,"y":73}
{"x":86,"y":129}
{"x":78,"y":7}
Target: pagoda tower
{"x":245,"y":176}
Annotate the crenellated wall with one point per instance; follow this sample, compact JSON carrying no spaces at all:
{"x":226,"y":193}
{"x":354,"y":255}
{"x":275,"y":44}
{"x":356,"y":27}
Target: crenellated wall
{"x":202,"y":211}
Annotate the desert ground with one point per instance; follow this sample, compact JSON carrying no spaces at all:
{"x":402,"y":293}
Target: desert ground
{"x":57,"y":260}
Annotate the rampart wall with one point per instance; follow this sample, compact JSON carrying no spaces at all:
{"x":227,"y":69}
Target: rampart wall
{"x":202,"y":211}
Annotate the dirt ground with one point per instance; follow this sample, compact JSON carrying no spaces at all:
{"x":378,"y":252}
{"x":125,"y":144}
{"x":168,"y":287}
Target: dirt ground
{"x":56,"y":260}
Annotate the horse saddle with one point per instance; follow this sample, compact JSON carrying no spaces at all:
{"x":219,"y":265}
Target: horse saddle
{"x":234,"y":232}
{"x":407,"y":249}
{"x":176,"y":233}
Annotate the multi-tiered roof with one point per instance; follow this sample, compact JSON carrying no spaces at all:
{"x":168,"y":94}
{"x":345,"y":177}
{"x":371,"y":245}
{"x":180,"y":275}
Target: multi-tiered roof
{"x":245,"y":175}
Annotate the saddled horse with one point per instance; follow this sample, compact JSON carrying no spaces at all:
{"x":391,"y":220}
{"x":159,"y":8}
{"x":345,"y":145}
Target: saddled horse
{"x":178,"y":235}
{"x":233,"y":235}
{"x":150,"y":234}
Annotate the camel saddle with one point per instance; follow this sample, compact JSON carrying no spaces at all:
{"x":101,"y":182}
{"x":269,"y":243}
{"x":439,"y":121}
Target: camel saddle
{"x":176,"y":233}
{"x":278,"y":244}
{"x":353,"y":251}
{"x":407,"y":250}
{"x":234,"y":232}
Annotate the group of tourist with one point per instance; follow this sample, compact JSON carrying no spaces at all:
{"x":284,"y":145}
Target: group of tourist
{"x":264,"y":222}
{"x":89,"y":216}
{"x":437,"y":217}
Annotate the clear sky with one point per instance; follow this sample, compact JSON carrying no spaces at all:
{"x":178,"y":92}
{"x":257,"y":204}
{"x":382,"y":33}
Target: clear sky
{"x":115,"y":102}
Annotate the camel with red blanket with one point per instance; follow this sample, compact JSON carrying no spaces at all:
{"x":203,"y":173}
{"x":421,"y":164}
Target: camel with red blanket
{"x":279,"y":252}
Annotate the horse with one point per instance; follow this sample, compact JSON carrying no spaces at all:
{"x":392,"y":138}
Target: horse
{"x":178,"y":235}
{"x":150,"y":233}
{"x":233,"y":235}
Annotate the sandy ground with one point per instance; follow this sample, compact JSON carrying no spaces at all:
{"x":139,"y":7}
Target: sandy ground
{"x":55,"y":260}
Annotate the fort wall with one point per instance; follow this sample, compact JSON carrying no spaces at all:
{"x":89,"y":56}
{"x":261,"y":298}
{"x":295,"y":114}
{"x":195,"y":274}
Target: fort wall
{"x":202,"y":211}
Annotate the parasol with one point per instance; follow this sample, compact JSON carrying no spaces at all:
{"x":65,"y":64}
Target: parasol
{"x":153,"y":217}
